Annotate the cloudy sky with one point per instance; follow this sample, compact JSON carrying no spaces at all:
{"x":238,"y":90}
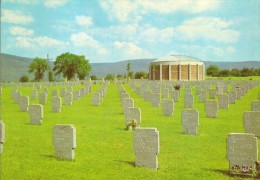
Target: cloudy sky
{"x":115,"y":30}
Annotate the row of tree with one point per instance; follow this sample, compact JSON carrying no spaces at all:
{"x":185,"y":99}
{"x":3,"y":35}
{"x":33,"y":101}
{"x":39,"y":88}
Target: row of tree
{"x":214,"y":71}
{"x":67,"y":64}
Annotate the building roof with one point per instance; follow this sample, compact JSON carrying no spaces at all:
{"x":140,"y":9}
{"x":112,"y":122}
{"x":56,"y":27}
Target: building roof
{"x":177,"y":58}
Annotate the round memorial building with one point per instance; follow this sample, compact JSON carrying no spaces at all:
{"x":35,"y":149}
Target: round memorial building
{"x":177,"y":68}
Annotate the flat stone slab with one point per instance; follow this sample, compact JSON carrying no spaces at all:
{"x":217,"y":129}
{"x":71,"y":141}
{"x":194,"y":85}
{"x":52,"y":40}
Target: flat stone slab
{"x":252,"y":122}
{"x":36,"y":113}
{"x":242,"y":151}
{"x":146,"y":147}
{"x":190,"y":121}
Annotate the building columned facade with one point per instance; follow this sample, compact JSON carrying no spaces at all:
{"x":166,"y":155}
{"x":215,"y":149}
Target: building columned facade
{"x":177,"y":68}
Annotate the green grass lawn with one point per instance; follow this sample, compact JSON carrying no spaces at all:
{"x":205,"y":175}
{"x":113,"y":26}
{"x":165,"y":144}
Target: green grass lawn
{"x":105,"y":150}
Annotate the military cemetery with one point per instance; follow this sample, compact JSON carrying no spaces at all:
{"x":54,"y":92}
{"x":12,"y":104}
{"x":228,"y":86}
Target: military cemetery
{"x":130,"y":90}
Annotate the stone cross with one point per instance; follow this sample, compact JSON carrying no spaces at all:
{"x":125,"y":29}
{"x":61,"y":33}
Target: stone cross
{"x":64,"y":141}
{"x":146,"y":147}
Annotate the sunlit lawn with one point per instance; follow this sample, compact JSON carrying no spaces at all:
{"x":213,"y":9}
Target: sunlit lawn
{"x":105,"y":150}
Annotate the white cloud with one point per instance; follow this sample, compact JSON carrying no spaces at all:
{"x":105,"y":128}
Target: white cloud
{"x":209,"y":28}
{"x":19,"y":31}
{"x":129,"y":50}
{"x":83,"y":40}
{"x":15,"y":17}
{"x":128,"y":10}
{"x":27,"y":2}
{"x":152,"y":34}
{"x":84,"y":20}
{"x":120,"y":10}
{"x":54,"y":3}
{"x":41,"y":41}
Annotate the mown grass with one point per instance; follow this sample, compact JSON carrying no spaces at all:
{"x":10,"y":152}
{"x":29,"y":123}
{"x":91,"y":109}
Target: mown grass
{"x":105,"y":150}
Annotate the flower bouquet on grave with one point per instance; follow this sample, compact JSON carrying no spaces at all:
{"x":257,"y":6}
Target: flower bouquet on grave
{"x":244,"y":170}
{"x":131,"y":124}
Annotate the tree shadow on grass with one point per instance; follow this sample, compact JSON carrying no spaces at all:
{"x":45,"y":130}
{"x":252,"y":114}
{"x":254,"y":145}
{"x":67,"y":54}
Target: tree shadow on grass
{"x":131,"y":163}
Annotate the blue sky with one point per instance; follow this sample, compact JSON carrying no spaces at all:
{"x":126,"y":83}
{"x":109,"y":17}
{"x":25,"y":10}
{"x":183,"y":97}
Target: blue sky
{"x":115,"y":30}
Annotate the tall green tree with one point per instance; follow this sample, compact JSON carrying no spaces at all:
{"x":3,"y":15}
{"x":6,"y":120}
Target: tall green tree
{"x":213,"y":70}
{"x":128,"y":68}
{"x":110,"y":77}
{"x":38,"y":67}
{"x":69,"y":65}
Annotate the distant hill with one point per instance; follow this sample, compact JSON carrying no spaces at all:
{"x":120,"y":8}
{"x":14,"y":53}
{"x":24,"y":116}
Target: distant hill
{"x":13,"y":67}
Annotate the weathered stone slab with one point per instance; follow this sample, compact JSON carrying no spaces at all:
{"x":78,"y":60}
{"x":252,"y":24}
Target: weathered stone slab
{"x":76,"y":95}
{"x":68,"y":99}
{"x":202,"y":96}
{"x":2,"y":136}
{"x":225,"y":89}
{"x":96,"y":99}
{"x":64,"y":141}
{"x":55,"y":92}
{"x":175,"y":96}
{"x":167,"y":107}
{"x":56,"y":104}
{"x":223,"y":101}
{"x":212,"y":93}
{"x":242,"y":152}
{"x":156,"y":100}
{"x":34,"y":94}
{"x":255,"y":106}
{"x":36,"y":113}
{"x":211,"y":108}
{"x":232,"y":97}
{"x":252,"y":122}
{"x":132,"y":113}
{"x":165,"y":93}
{"x":24,"y":103}
{"x":190,"y":121}
{"x":127,"y":103}
{"x":42,"y":98}
{"x":63,"y":92}
{"x":188,"y":101}
{"x":146,"y":147}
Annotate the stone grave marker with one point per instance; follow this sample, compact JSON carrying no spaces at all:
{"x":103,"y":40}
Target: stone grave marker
{"x":46,"y":90}
{"x":34,"y":94}
{"x":70,"y":89}
{"x":56,"y":104}
{"x":202,"y":96}
{"x":64,"y":141}
{"x":190,"y":121}
{"x":132,"y":113}
{"x":242,"y":152}
{"x":63,"y":92}
{"x":68,"y":99}
{"x":188,"y":101}
{"x":42,"y":98}
{"x":255,"y":106}
{"x":36,"y":113}
{"x":175,"y":96}
{"x":167,"y":107}
{"x":82,"y":92}
{"x":211,"y":108}
{"x":24,"y":103}
{"x":55,"y":92}
{"x":225,"y":89}
{"x":96,"y":99}
{"x":223,"y":101}
{"x":212,"y":93}
{"x":127,"y":103}
{"x":165,"y":93}
{"x":232,"y":97}
{"x":146,"y":147}
{"x":76,"y":95}
{"x":252,"y":122}
{"x":2,"y":136}
{"x":156,"y":100}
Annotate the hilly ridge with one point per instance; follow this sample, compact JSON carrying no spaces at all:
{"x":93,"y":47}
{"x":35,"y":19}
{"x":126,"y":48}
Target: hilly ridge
{"x":13,"y":67}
